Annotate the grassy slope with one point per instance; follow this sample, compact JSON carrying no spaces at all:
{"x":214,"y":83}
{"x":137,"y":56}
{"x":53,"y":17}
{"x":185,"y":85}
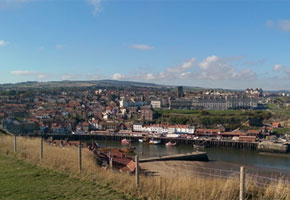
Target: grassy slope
{"x":22,"y":180}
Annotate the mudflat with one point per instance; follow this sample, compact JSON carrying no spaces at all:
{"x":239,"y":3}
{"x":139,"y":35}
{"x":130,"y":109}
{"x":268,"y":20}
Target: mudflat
{"x":172,"y":169}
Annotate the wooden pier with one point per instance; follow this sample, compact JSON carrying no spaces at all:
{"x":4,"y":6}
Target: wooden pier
{"x":188,"y":141}
{"x":194,"y":156}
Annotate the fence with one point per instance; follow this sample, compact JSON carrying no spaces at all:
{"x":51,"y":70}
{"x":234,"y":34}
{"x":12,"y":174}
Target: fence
{"x":246,"y":179}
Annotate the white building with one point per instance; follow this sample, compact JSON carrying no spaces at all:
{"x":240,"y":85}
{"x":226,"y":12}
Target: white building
{"x":156,"y":104}
{"x":164,"y":129}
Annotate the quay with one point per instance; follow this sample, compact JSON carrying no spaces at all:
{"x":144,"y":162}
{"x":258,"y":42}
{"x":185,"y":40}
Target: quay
{"x":194,"y":156}
{"x":134,"y":138}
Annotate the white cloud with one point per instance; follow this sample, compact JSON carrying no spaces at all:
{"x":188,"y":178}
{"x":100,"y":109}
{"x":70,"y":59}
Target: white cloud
{"x":208,"y":61}
{"x":212,"y":68}
{"x":284,"y":25}
{"x":59,"y":46}
{"x":118,"y":76}
{"x":278,"y":67}
{"x":96,"y":5}
{"x":281,"y":68}
{"x":142,"y":47}
{"x":3,"y":43}
{"x":19,"y":72}
{"x":37,"y":75}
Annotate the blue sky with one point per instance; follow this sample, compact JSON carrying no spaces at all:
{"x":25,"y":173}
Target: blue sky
{"x":227,"y":44}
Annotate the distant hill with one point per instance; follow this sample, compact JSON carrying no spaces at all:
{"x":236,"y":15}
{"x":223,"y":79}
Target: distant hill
{"x":100,"y":83}
{"x":109,"y":83}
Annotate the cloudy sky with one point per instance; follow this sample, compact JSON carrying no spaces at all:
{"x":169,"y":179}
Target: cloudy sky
{"x":210,"y":43}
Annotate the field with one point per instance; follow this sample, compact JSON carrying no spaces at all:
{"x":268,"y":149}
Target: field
{"x":23,"y":180}
{"x":58,"y":172}
{"x":282,"y":130}
{"x":230,"y":119}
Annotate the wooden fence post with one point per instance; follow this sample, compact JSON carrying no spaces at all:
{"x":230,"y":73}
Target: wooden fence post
{"x":15,"y":144}
{"x":41,"y":148}
{"x":80,"y":157}
{"x":137,"y":170}
{"x":242,"y":183}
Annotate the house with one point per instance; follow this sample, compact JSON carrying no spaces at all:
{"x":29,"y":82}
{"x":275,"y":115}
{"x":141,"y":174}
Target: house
{"x":181,"y":129}
{"x":61,"y":129}
{"x":95,"y":124}
{"x":233,"y":134}
{"x":85,"y":126}
{"x":138,"y":127}
{"x":208,"y":132}
{"x":276,"y":125}
{"x":253,"y":132}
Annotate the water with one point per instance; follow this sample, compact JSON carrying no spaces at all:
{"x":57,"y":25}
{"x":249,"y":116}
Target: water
{"x":236,"y":156}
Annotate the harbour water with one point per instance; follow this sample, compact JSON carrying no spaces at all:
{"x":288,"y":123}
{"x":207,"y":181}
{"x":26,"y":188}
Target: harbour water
{"x":231,"y":156}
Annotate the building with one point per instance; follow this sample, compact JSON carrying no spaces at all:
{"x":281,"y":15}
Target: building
{"x":156,"y":104}
{"x":180,"y":104}
{"x":215,"y":103}
{"x":180,"y":92}
{"x":19,"y":127}
{"x":125,"y":103}
{"x":147,"y":113}
{"x":254,"y":92}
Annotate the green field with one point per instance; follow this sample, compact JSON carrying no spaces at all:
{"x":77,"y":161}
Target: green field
{"x":22,"y":180}
{"x":230,"y":119}
{"x":282,"y":130}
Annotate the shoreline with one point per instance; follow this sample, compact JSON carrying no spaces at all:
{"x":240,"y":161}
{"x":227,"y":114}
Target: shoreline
{"x":172,"y":169}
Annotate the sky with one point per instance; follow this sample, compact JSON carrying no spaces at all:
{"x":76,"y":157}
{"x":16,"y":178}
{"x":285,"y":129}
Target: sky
{"x":211,"y":43}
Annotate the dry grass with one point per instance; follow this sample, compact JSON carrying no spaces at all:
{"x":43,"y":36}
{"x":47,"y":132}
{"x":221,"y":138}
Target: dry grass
{"x":66,"y":160}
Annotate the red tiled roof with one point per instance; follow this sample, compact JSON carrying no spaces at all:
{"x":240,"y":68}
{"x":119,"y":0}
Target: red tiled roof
{"x":233,"y":134}
{"x":253,"y":131}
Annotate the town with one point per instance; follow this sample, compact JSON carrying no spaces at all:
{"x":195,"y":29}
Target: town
{"x":173,"y":112}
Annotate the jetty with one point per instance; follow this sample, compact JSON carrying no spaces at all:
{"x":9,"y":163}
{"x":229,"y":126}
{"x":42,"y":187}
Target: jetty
{"x":193,"y":156}
{"x":102,"y":135}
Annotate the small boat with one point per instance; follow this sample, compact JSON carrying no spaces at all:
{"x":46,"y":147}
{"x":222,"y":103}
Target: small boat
{"x":154,"y":141}
{"x":140,"y":140}
{"x":170,"y":144}
{"x":198,"y":147}
{"x":125,"y":141}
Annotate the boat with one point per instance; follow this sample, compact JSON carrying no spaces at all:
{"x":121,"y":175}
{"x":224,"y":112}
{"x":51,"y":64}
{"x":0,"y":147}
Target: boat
{"x":198,"y":147}
{"x":154,"y":141}
{"x":170,"y":144}
{"x":125,"y":141}
{"x":140,"y":140}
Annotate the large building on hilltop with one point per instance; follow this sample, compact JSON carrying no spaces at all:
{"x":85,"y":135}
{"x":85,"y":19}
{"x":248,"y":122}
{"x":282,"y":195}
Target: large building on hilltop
{"x":215,"y":103}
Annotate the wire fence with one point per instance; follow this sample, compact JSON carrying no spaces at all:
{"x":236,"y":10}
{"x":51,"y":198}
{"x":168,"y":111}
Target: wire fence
{"x":251,"y":179}
{"x":246,"y":178}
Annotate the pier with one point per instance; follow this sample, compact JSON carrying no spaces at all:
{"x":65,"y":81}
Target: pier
{"x":194,"y":156}
{"x":134,"y":138}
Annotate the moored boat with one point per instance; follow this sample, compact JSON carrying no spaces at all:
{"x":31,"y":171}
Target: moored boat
{"x":198,"y":147}
{"x":125,"y":141}
{"x":170,"y":144}
{"x":154,"y":141}
{"x":140,"y":140}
